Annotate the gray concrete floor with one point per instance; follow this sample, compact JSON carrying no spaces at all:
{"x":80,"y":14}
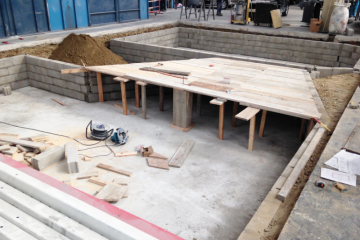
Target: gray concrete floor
{"x":216,"y":191}
{"x":294,"y":19}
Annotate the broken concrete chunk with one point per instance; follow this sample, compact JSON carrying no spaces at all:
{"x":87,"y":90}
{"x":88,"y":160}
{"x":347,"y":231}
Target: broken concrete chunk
{"x":47,"y":158}
{"x":72,"y":156}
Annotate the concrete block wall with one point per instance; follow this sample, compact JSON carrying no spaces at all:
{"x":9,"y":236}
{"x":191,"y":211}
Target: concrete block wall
{"x":167,"y":38}
{"x":13,"y":72}
{"x":327,"y":54}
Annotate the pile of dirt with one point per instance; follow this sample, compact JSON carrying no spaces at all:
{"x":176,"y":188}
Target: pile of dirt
{"x":79,"y":49}
{"x":335,"y":93}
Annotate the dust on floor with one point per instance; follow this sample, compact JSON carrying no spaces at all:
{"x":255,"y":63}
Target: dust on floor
{"x":335,"y":93}
{"x":45,"y":51}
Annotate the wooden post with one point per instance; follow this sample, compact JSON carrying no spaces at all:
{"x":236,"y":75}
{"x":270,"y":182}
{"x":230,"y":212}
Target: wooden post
{"x":235,"y":111}
{"x":161,"y":99}
{"x":303,"y":121}
{"x":221,"y":121}
{"x":311,"y":124}
{"x":100,"y":87}
{"x":198,"y":110}
{"x":262,"y":124}
{"x":182,"y":110}
{"x":252,"y":133}
{"x":137,"y":95}
{"x":143,"y":101}
{"x":123,"y":98}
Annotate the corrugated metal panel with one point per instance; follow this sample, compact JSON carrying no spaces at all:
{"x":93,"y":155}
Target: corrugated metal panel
{"x":55,"y":15}
{"x":68,"y":14}
{"x":81,"y":10}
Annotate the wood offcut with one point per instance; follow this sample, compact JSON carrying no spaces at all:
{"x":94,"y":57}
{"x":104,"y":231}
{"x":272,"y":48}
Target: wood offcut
{"x":114,"y":169}
{"x":180,"y":155}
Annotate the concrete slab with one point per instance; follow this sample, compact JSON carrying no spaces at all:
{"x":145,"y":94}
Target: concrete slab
{"x":212,"y":196}
{"x":326,"y":212}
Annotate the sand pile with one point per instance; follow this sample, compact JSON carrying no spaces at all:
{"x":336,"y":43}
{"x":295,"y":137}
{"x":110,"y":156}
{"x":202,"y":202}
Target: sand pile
{"x":75,"y":48}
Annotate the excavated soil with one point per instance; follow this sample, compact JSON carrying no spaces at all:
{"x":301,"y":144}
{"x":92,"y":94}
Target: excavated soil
{"x":46,"y":50}
{"x":83,"y":49}
{"x":335,"y":93}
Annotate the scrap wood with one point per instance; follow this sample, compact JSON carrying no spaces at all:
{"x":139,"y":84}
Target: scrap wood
{"x":100,"y":181}
{"x":24,"y":143}
{"x":58,"y":102}
{"x":114,"y":169}
{"x":111,"y":193}
{"x":146,"y":151}
{"x":39,"y":138}
{"x":157,"y":155}
{"x":4,"y":147}
{"x":24,"y":149}
{"x":158,"y":163}
{"x":210,"y":86}
{"x":121,"y":107}
{"x":121,"y":181}
{"x":9,"y":135}
{"x":10,"y":151}
{"x":126,"y":154}
{"x":180,"y":155}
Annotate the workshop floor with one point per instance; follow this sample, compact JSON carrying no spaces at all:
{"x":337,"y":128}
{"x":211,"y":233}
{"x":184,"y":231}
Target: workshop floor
{"x":212,"y":196}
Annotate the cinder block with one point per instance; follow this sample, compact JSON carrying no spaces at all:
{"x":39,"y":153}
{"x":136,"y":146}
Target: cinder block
{"x":72,"y":157}
{"x":81,"y":80}
{"x":21,"y":76}
{"x":44,"y":86}
{"x":31,"y":60}
{"x":335,"y":46}
{"x":138,"y":46}
{"x":151,"y":48}
{"x":50,"y":156}
{"x":5,"y":63}
{"x":345,"y":54}
{"x":4,"y":72}
{"x":74,"y":94}
{"x":324,"y":71}
{"x":191,"y":54}
{"x":18,"y":60}
{"x":342,"y":70}
{"x":42,"y":71}
{"x":348,"y":48}
{"x":59,"y":82}
{"x":73,"y":86}
{"x":17,"y":69}
{"x":7,"y":79}
{"x":53,"y":73}
{"x":19,"y":84}
{"x":33,"y":83}
{"x":315,"y":74}
{"x":84,"y":89}
{"x":57,"y":90}
{"x":329,"y":58}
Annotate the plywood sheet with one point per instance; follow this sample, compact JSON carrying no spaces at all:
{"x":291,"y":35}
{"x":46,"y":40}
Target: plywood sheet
{"x":158,"y":163}
{"x":263,"y":86}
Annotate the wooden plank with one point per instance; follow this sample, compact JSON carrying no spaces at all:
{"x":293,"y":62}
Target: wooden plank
{"x":252,"y":133}
{"x":36,"y":145}
{"x":4,"y":148}
{"x":78,"y":70}
{"x":161,"y":96}
{"x":217,"y":101}
{"x":143,"y":101}
{"x":352,"y":144}
{"x":120,"y":79}
{"x":182,"y":108}
{"x":92,"y":172}
{"x":158,"y":163}
{"x":126,"y":154}
{"x":58,"y":102}
{"x":111,"y":193}
{"x":123,"y":98}
{"x":262,"y":124}
{"x":276,"y":18}
{"x":100,"y":87}
{"x":221,"y":121}
{"x":9,"y":135}
{"x":121,"y":181}
{"x":209,"y":86}
{"x":100,"y":182}
{"x":114,"y":169}
{"x":311,"y":124}
{"x":157,"y":155}
{"x":285,"y":190}
{"x":198,"y":110}
{"x":303,"y":121}
{"x":247,"y":114}
{"x":137,"y":96}
{"x":180,"y":155}
{"x":176,"y":72}
{"x":235,"y":111}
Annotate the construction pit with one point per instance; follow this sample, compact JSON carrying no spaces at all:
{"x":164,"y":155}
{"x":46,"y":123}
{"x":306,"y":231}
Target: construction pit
{"x":222,"y":188}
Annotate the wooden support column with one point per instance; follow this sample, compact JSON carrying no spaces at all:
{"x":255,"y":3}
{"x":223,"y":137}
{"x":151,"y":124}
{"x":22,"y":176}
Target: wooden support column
{"x":137,"y":96}
{"x":221,"y":103}
{"x":252,"y":133}
{"x":198,"y":110}
{"x":303,"y":121}
{"x":143,"y":98}
{"x":311,"y":124}
{"x":262,"y":124}
{"x":247,"y":114}
{"x":235,"y":111}
{"x":161,"y":107}
{"x":100,"y":87}
{"x":182,"y":110}
{"x":123,"y":93}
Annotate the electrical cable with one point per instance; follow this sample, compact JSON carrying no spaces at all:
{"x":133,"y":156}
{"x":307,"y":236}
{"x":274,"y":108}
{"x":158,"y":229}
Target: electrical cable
{"x":60,"y":135}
